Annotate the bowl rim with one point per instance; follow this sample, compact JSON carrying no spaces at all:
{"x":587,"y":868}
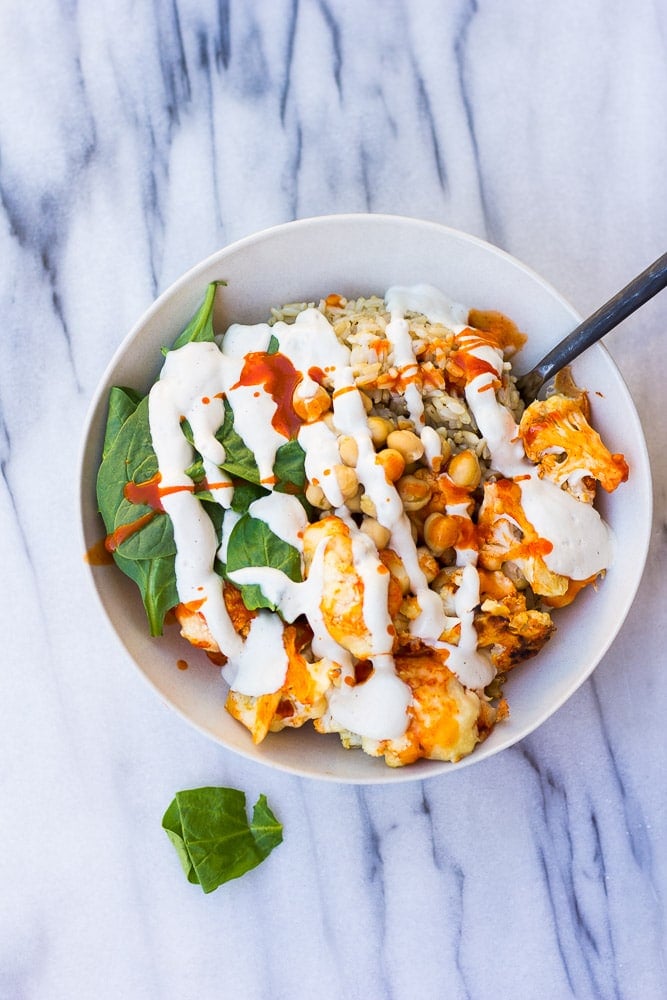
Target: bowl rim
{"x":384,"y":775}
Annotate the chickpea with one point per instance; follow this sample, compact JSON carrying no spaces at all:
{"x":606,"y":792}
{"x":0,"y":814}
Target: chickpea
{"x":407,"y":443}
{"x":315,"y":496}
{"x":311,"y":408}
{"x":415,"y":493}
{"x":440,"y":532}
{"x":347,"y":480}
{"x":376,"y":532}
{"x":392,"y":462}
{"x":379,"y":428}
{"x":348,"y":450}
{"x":464,"y":469}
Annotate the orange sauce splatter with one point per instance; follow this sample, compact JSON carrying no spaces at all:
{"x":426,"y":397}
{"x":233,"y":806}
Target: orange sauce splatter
{"x":345,"y":388}
{"x":98,"y":554}
{"x":280,"y":378}
{"x":472,"y":366}
{"x":125,"y":531}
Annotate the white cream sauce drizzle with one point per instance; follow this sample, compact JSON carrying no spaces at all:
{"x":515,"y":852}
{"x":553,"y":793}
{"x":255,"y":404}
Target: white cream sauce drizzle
{"x":284,"y":516}
{"x":259,"y":667}
{"x":582,"y":542}
{"x":192,"y":385}
{"x":433,"y":304}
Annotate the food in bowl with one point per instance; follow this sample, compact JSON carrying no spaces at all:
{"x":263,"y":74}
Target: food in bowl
{"x":348,"y":509}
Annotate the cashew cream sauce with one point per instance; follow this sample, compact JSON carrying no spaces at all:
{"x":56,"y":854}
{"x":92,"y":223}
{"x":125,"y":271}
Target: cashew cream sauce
{"x":582,"y":542}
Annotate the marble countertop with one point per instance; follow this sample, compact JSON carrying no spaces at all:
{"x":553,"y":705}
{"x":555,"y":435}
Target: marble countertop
{"x":135,"y":139}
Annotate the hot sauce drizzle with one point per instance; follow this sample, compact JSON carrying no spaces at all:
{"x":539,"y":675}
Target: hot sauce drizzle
{"x":280,"y":378}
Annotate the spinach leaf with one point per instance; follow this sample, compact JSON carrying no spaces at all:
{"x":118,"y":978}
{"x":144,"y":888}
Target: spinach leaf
{"x":156,"y":579}
{"x":244,"y":494}
{"x":273,"y":345}
{"x":214,"y":841}
{"x":129,"y":458}
{"x":147,"y":555}
{"x":122,"y":404}
{"x":289,"y":467}
{"x":200,"y":327}
{"x":252,"y":543}
{"x":239,"y":460}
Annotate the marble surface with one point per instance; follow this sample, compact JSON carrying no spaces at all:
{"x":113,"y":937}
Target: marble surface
{"x":135,"y":139}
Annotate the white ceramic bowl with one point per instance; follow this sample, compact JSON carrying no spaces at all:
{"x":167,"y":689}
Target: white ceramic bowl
{"x":359,"y":255}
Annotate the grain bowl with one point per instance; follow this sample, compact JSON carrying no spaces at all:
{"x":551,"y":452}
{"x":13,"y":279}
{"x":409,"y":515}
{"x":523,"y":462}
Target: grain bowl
{"x":401,"y":339}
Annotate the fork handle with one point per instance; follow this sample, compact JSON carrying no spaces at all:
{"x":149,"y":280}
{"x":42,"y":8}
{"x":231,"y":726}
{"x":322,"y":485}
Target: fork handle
{"x":623,"y":304}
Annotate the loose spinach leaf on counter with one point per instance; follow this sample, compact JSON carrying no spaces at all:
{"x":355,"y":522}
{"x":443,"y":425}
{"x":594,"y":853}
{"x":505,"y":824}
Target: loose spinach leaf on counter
{"x":200,"y":327}
{"x":252,"y":543}
{"x":214,"y":841}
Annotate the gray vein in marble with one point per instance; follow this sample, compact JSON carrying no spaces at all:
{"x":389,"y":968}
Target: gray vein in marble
{"x":639,"y":844}
{"x":289,"y":57}
{"x":561,"y":943}
{"x":577,"y":938}
{"x":372,"y":857}
{"x":461,"y":41}
{"x":334,"y":29}
{"x":223,"y":46}
{"x":424,"y":104}
{"x":175,"y":74}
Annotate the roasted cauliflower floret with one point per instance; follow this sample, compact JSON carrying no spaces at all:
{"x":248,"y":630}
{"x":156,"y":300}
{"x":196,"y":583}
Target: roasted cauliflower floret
{"x":557,"y":436}
{"x":302,"y":696}
{"x":342,"y":603}
{"x":500,"y":330}
{"x":506,"y":536}
{"x":446,"y":721}
{"x":193,"y":624}
{"x":510,"y":631}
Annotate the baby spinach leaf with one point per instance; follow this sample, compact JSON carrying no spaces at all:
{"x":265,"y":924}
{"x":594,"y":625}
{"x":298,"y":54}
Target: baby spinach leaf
{"x":244,"y":494}
{"x":289,"y":467}
{"x":252,"y":543}
{"x":146,"y":555}
{"x":210,"y":831}
{"x":239,"y":460}
{"x":273,"y":345}
{"x":156,"y":579}
{"x":200,"y":327}
{"x":130,"y":458}
{"x":122,"y":404}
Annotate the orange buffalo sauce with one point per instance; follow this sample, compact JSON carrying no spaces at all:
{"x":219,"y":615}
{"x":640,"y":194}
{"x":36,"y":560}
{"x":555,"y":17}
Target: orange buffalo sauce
{"x":279,"y":377}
